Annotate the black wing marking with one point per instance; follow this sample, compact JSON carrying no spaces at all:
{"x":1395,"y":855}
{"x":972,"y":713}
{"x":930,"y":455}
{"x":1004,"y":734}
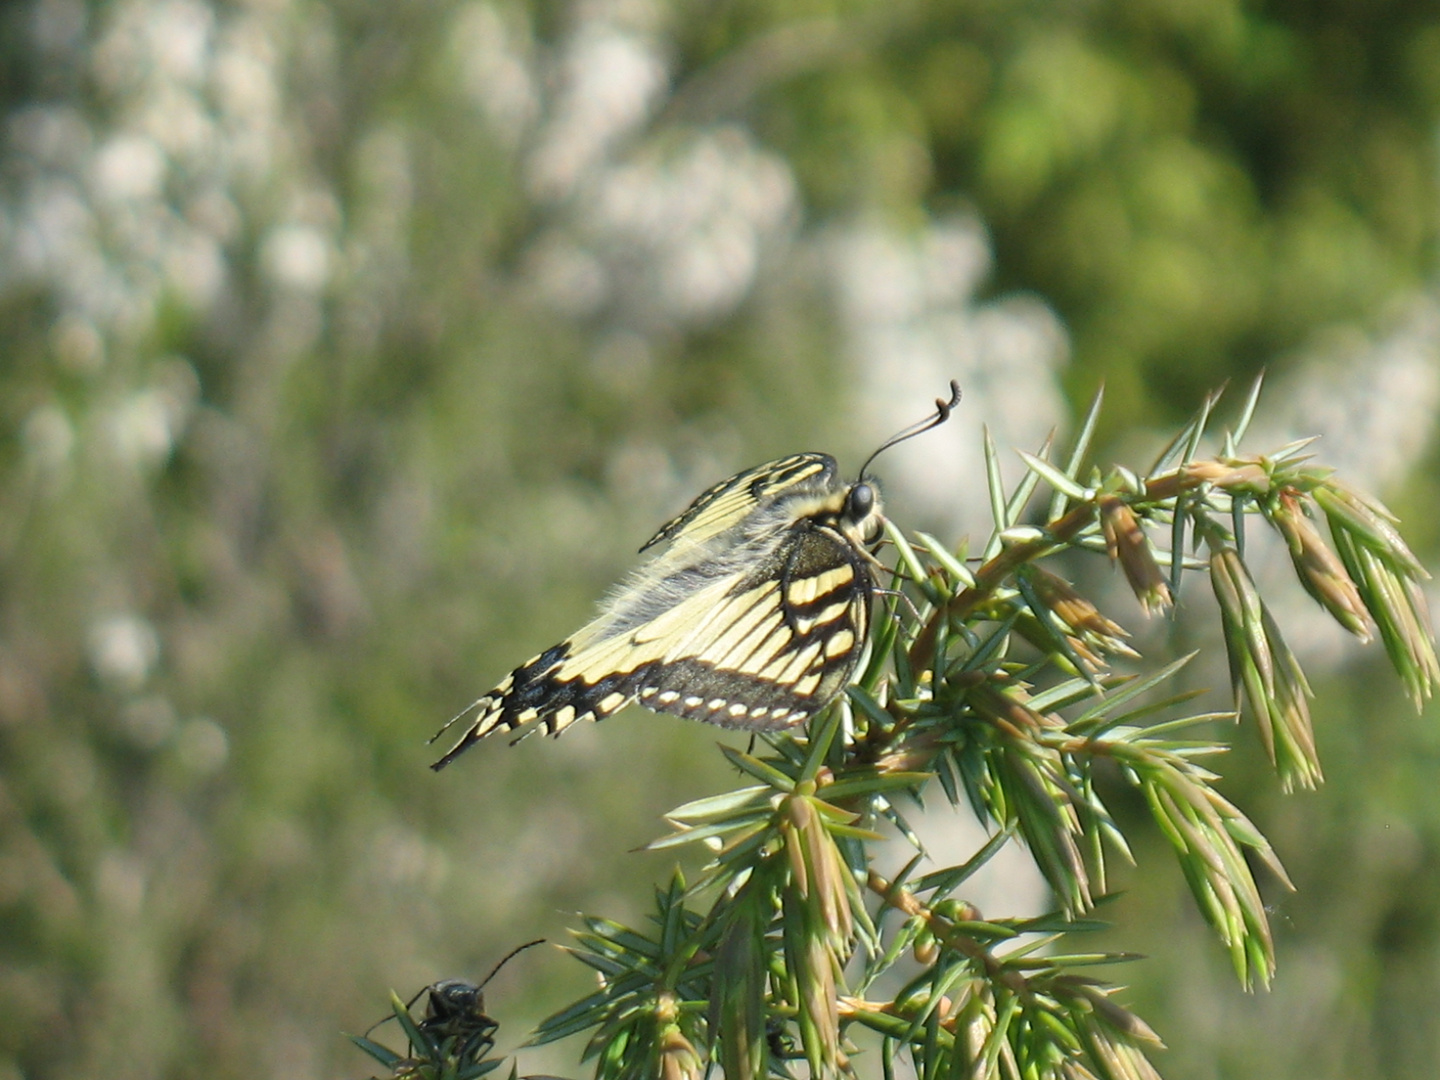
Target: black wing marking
{"x":550,"y":690}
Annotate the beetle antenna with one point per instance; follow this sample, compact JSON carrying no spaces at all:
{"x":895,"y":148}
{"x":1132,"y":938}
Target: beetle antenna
{"x":942,"y":413}
{"x":366,"y":1033}
{"x":507,"y":958}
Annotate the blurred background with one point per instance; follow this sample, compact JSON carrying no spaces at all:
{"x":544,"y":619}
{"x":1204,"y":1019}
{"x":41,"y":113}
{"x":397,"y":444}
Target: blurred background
{"x":348,"y":351}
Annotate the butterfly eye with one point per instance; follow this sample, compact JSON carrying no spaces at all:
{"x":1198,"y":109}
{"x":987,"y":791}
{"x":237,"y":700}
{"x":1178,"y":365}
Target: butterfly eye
{"x":860,"y":503}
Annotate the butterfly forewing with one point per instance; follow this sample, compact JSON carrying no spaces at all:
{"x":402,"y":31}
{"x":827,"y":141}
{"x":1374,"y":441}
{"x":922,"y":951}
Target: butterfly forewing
{"x":731,"y":501}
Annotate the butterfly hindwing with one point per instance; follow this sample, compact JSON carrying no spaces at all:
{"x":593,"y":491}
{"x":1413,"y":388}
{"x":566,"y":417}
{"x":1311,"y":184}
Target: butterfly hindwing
{"x":779,"y":646}
{"x":549,"y":690}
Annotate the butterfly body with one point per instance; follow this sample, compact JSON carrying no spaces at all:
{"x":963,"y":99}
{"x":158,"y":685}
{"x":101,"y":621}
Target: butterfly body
{"x":754,"y":615}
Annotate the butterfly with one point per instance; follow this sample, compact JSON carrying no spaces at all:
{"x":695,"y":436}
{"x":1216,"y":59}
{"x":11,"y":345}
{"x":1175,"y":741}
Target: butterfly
{"x":753,"y":615}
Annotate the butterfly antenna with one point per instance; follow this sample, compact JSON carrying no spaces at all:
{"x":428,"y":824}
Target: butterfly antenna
{"x":507,"y":958}
{"x":942,"y":413}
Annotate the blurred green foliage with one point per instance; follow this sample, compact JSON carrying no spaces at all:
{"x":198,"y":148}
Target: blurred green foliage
{"x":347,"y":351}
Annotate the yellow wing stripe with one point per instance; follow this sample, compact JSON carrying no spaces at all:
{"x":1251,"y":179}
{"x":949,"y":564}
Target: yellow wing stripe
{"x":794,"y":665}
{"x":839,"y":643}
{"x":677,"y":626}
{"x":826,"y":615}
{"x":806,"y":589}
{"x":738,"y":656}
{"x":764,"y":652}
{"x":718,"y":615}
{"x":652,"y":641}
{"x":808,"y":685}
{"x":737,"y":642}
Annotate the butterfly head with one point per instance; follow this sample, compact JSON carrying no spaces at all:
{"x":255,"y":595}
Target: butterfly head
{"x":860,"y":517}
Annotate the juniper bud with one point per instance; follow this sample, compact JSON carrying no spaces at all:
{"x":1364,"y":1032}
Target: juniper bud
{"x":1264,"y":667}
{"x":1320,"y":569}
{"x":1130,"y":547}
{"x":1089,"y":632}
